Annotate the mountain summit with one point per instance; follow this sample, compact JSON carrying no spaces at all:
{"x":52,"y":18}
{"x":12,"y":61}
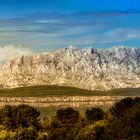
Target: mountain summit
{"x":88,"y":68}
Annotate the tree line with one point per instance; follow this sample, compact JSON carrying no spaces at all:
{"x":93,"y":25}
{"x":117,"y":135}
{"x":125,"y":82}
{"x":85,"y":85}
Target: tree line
{"x":120,"y":122}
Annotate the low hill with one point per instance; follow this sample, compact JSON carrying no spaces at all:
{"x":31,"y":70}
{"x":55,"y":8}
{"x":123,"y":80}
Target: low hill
{"x":43,"y":91}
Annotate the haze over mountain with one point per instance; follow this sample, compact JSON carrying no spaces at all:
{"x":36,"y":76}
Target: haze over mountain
{"x":88,"y":68}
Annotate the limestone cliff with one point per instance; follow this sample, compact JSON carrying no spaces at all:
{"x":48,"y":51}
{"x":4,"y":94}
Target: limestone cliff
{"x":63,"y":101}
{"x":88,"y":68}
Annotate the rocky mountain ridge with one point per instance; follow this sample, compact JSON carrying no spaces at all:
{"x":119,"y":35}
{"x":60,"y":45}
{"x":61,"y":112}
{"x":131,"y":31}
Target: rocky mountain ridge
{"x":88,"y":68}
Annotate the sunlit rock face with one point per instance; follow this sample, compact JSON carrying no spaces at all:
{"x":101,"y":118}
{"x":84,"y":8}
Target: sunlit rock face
{"x":88,"y":68}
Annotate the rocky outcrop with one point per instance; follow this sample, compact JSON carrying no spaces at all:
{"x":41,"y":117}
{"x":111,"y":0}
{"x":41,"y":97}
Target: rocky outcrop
{"x":64,"y":101}
{"x":88,"y":68}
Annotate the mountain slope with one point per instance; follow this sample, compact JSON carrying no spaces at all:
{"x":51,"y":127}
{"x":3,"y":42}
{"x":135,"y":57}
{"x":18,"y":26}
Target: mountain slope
{"x":88,"y":68}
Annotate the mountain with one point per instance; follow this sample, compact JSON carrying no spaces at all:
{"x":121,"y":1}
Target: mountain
{"x":88,"y":68}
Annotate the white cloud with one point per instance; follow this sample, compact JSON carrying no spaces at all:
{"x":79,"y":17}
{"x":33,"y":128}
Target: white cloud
{"x":11,"y":51}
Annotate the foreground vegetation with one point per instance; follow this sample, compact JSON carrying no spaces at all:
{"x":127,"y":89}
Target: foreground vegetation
{"x":53,"y":90}
{"x":120,"y":122}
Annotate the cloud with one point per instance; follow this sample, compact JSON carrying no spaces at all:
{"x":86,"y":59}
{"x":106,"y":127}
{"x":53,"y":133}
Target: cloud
{"x":118,"y":35}
{"x":46,"y":30}
{"x":11,"y":51}
{"x":49,"y":23}
{"x":56,"y":23}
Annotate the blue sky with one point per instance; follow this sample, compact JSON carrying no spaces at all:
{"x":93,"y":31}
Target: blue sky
{"x":51,"y":24}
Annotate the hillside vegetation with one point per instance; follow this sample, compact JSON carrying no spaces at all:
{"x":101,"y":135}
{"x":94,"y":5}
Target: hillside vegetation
{"x":120,"y":122}
{"x":42,"y":91}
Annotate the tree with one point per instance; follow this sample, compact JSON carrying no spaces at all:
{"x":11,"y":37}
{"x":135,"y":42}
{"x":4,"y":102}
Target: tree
{"x":68,"y":115}
{"x":15,"y":116}
{"x":126,"y":121}
{"x":7,"y":116}
{"x":64,"y":125}
{"x":26,"y":116}
{"x":119,"y":109}
{"x":94,"y":114}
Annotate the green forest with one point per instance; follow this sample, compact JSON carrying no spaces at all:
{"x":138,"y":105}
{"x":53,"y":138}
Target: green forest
{"x":119,"y":122}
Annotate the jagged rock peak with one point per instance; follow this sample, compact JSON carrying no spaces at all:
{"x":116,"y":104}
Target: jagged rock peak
{"x":72,"y":47}
{"x":89,"y":68}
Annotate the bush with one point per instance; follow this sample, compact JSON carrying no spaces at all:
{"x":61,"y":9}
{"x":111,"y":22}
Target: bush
{"x":29,"y":133}
{"x":92,"y":131}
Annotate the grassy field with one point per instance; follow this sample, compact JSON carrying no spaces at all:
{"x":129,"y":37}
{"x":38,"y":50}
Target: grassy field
{"x":42,"y":91}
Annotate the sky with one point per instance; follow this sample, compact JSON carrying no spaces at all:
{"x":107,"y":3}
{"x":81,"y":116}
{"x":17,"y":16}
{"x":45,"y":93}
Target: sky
{"x":47,"y":25}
